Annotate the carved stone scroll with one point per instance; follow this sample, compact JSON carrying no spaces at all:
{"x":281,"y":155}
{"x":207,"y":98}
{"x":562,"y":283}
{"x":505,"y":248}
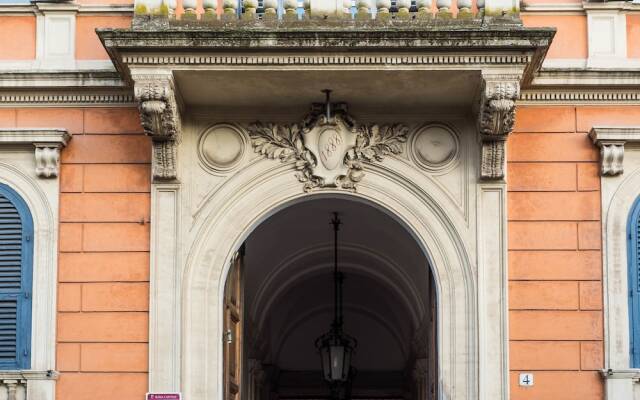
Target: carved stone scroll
{"x":160,"y":119}
{"x":495,"y":122}
{"x":328,"y":151}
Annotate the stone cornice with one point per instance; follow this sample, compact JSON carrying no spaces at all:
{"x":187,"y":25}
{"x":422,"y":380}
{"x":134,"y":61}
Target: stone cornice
{"x":61,"y":79}
{"x":631,"y":374}
{"x":47,"y":143}
{"x":403,"y":41}
{"x":34,"y":136}
{"x":611,"y":140}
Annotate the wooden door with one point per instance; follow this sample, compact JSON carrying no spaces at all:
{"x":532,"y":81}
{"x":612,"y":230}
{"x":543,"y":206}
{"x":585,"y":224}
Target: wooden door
{"x":233,"y":321}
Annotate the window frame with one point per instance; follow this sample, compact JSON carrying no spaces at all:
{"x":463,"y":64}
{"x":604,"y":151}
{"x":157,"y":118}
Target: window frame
{"x":24,"y":304}
{"x":633,"y":278}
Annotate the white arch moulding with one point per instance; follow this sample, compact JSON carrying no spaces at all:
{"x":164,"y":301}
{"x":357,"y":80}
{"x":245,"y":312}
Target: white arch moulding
{"x":189,"y":265}
{"x":619,"y":192}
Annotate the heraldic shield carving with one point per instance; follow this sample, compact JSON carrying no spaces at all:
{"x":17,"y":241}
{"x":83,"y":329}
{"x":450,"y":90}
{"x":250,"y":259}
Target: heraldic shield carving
{"x":328,"y":149}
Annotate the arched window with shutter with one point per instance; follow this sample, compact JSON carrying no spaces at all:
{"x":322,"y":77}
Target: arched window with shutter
{"x":16,"y":259}
{"x":633,"y":236}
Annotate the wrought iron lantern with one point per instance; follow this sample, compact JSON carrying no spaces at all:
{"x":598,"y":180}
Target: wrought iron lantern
{"x":335,"y":347}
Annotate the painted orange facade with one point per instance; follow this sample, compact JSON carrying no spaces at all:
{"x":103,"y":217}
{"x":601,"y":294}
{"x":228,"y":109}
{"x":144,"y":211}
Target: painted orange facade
{"x":556,"y":324}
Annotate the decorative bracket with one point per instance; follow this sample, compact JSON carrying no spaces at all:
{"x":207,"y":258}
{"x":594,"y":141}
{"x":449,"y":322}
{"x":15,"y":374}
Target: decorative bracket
{"x":495,"y":122}
{"x":47,"y":142}
{"x":328,"y":150}
{"x":160,"y":119}
{"x":611,"y":141}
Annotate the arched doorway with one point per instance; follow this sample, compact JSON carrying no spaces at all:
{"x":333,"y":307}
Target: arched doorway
{"x":285,"y":301}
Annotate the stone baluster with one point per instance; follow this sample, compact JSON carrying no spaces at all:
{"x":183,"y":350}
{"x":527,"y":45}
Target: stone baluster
{"x":306,"y":5}
{"x":403,"y":8}
{"x":480,"y":5}
{"x":210,"y":9}
{"x":190,"y":7}
{"x":12,"y":387}
{"x":250,"y":9}
{"x":464,"y":9}
{"x":229,"y":9}
{"x":171,"y":6}
{"x":383,"y":11}
{"x":346,"y":8}
{"x":424,"y":9}
{"x":363,"y":10}
{"x":444,"y":8}
{"x":290,"y":9}
{"x":270,"y":9}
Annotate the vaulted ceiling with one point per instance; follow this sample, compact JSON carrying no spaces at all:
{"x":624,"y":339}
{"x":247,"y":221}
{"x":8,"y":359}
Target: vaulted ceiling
{"x":289,"y":292}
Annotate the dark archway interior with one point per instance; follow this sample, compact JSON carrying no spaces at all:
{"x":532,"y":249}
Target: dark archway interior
{"x":389,"y":303}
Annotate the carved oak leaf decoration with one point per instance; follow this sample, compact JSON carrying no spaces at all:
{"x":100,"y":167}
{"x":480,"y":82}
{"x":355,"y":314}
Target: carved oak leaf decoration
{"x":375,"y":142}
{"x":286,"y":143}
{"x":274,"y":141}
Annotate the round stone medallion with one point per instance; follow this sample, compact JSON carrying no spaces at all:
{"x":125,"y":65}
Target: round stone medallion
{"x":222,"y":147}
{"x":435,"y":147}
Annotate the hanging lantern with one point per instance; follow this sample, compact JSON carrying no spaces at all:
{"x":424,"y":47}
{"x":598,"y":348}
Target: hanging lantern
{"x":335,"y":347}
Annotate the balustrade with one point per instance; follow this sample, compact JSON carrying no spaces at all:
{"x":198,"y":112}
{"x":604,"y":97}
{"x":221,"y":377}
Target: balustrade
{"x":13,"y":388}
{"x":361,"y":10}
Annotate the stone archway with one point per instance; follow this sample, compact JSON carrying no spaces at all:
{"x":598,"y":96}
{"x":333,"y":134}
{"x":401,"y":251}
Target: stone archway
{"x":247,"y":199}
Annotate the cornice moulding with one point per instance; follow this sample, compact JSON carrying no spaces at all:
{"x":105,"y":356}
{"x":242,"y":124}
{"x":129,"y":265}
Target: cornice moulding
{"x":87,"y":9}
{"x":587,"y":77}
{"x":612,"y":140}
{"x":568,"y":96}
{"x":61,"y":79}
{"x":632,"y":373}
{"x":564,"y":8}
{"x":47,"y":143}
{"x":34,"y":136}
{"x":622,"y":134}
{"x":611,"y":5}
{"x":398,"y":45}
{"x":70,"y":98}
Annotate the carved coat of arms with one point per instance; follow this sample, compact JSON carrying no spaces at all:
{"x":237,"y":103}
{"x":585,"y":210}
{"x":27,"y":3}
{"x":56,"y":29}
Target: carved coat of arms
{"x":328,"y":150}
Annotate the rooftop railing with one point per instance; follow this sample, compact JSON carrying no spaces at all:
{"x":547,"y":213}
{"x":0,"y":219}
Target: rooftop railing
{"x":297,"y":10}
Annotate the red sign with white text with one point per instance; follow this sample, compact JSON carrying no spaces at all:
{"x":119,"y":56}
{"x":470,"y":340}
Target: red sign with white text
{"x":164,"y":396}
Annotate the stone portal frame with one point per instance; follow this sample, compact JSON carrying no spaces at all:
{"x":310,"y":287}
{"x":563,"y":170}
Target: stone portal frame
{"x":192,"y":245}
{"x":468,"y":261}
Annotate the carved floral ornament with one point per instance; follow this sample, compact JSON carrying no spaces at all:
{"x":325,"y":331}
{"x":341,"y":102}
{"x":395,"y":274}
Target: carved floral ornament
{"x":328,"y":150}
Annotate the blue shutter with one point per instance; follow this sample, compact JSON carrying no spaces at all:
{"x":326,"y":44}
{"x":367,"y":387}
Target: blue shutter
{"x":634,"y":282}
{"x":16,"y":256}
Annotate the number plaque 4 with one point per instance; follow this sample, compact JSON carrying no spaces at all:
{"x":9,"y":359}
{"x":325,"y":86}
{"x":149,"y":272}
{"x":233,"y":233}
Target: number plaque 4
{"x":526,"y":379}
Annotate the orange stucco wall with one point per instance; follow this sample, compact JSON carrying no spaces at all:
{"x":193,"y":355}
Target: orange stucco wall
{"x":12,"y":28}
{"x":103,"y":290}
{"x":88,"y":46}
{"x":555,"y":267}
{"x":633,"y":35}
{"x":570,"y":40}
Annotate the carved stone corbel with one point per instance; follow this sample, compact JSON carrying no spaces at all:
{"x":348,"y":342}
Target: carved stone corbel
{"x":611,"y":141}
{"x":47,"y":159}
{"x":495,"y":122}
{"x":160,"y":119}
{"x":47,"y":142}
